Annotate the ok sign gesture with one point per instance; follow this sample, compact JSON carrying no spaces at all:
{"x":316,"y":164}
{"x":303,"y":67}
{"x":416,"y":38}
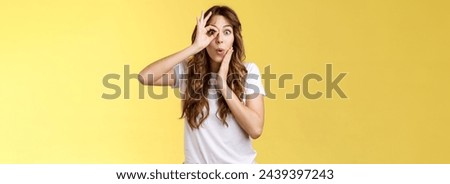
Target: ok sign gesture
{"x":204,"y":34}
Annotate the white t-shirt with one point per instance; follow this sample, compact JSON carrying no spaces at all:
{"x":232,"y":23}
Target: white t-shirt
{"x":213,"y":142}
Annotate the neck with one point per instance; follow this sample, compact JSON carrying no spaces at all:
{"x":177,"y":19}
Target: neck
{"x":215,"y":66}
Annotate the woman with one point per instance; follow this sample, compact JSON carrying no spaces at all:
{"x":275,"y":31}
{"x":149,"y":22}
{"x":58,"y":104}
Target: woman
{"x":222,"y":97}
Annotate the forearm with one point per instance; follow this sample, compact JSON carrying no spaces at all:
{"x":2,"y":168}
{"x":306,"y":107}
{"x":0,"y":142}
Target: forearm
{"x":155,"y":70}
{"x":249,"y":120}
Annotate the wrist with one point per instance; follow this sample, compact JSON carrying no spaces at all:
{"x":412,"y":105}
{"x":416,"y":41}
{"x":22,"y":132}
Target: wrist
{"x":223,"y":87}
{"x":195,"y":48}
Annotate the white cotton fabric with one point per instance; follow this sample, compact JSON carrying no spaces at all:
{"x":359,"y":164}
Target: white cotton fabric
{"x":214,"y":142}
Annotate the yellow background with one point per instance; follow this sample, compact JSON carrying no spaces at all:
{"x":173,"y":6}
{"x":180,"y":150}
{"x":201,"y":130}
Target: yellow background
{"x":54,"y":55}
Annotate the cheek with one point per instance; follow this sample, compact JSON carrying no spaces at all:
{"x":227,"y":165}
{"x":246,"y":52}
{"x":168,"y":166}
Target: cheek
{"x":229,"y":42}
{"x":210,"y":48}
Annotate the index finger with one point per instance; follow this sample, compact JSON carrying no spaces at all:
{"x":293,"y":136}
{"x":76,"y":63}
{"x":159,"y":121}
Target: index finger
{"x":209,"y":27}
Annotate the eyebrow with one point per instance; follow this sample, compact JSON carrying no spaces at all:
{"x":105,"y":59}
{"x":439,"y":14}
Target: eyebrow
{"x":222,"y":26}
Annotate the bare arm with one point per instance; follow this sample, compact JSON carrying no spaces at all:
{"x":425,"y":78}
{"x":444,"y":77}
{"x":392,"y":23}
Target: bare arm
{"x":154,"y":72}
{"x":249,"y":116}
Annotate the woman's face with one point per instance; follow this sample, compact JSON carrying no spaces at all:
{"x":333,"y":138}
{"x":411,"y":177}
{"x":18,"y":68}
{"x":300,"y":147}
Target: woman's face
{"x":224,"y":39}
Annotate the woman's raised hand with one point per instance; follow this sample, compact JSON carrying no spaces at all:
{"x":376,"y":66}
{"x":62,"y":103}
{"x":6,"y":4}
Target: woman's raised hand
{"x":205,"y":34}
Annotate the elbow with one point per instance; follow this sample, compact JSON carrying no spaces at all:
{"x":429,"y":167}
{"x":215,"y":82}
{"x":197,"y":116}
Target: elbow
{"x":143,"y":80}
{"x":257,"y":129}
{"x":255,"y":134}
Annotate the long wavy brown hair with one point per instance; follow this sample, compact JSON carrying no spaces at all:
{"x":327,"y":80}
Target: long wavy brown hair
{"x":199,"y":74}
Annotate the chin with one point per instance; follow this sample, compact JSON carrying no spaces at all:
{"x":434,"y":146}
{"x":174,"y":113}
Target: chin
{"x":217,"y":59}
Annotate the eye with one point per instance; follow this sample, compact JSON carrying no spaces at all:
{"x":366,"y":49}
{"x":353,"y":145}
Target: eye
{"x":227,"y":32}
{"x":211,"y":32}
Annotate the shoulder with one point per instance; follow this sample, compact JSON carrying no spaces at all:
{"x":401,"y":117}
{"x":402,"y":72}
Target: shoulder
{"x":249,"y":64}
{"x":251,"y":67}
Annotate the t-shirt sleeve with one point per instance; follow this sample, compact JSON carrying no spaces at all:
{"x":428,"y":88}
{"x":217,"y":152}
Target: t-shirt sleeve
{"x":178,"y":71}
{"x":253,"y":81}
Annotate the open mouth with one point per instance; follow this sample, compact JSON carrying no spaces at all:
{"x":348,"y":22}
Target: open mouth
{"x":220,"y":51}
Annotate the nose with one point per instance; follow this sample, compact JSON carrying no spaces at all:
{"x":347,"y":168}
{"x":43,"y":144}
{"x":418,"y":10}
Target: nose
{"x":219,"y":38}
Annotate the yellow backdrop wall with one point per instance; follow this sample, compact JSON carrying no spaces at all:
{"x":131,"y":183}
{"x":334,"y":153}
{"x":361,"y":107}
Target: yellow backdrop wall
{"x":56,"y":54}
